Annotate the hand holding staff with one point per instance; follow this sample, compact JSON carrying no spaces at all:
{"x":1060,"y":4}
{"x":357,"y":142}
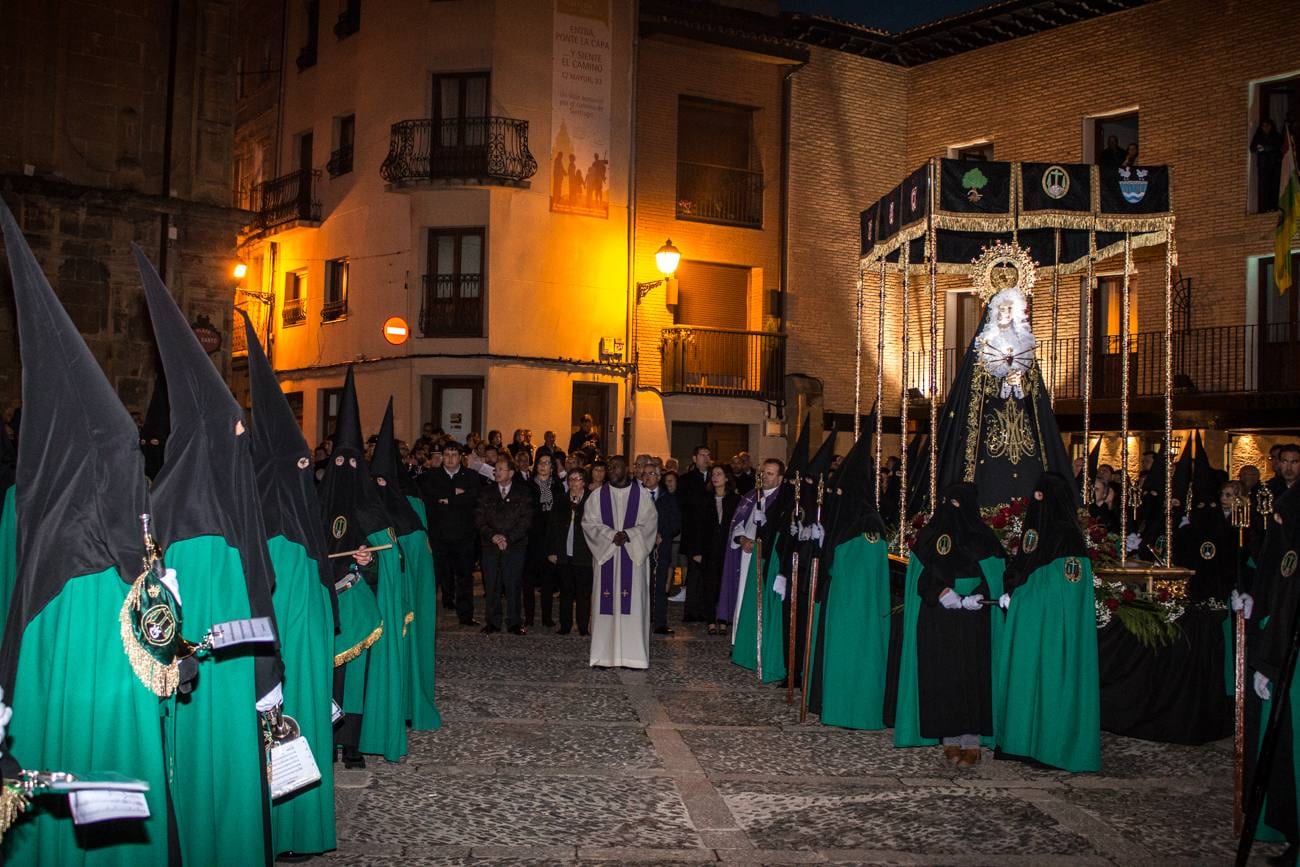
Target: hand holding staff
{"x":362,"y":550}
{"x":812,"y":597}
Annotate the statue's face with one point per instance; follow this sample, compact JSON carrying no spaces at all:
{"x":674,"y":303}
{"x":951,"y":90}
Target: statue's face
{"x":1006,"y":311}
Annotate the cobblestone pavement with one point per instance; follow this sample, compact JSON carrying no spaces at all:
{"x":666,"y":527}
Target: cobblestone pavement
{"x":542,"y":760}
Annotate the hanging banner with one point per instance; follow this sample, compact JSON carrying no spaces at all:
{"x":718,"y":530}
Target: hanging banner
{"x":581,"y":68}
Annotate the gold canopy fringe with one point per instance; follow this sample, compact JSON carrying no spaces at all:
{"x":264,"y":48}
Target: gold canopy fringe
{"x":974,"y":222}
{"x":346,"y":656}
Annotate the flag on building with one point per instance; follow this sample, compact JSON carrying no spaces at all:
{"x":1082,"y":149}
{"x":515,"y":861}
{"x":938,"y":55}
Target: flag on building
{"x":1288,"y":203}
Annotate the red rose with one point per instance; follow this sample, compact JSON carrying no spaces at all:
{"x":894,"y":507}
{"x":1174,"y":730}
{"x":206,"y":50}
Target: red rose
{"x":1097,"y":533}
{"x":1129,"y":595}
{"x":999,"y":521}
{"x":1112,"y":604}
{"x":1005,"y":511}
{"x":1017,"y":506}
{"x":919,"y":520}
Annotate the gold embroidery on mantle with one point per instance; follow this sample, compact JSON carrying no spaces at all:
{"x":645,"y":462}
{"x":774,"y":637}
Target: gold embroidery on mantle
{"x":1009,"y":434}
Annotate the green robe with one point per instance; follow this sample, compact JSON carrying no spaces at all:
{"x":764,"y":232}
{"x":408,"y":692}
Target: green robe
{"x":218,"y":762}
{"x":744,"y":649}
{"x":855,"y":651}
{"x":303,"y":822}
{"x":1264,"y":832}
{"x":360,"y":625}
{"x":111,"y":724}
{"x":8,"y":554}
{"x":423,"y":631}
{"x":907,"y":724}
{"x":1051,"y":700}
{"x":388,"y":682}
{"x":418,"y":505}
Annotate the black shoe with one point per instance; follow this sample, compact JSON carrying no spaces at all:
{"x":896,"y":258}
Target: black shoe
{"x":470,"y":622}
{"x":664,"y":630}
{"x":517,"y":630}
{"x":293,"y":858}
{"x":584,"y":633}
{"x":1285,"y":859}
{"x":490,"y":629}
{"x":353,"y":759}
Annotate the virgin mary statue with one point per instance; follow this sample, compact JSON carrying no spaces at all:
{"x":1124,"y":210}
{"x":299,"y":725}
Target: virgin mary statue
{"x":997,"y":429}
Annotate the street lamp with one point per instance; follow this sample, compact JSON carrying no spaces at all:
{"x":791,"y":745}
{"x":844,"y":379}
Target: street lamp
{"x":667,"y":259}
{"x":240,"y":271}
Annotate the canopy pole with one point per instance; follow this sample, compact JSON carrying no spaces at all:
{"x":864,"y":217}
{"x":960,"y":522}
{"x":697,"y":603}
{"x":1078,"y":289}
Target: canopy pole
{"x":1123,"y":402}
{"x":1056,"y":315}
{"x":931,"y":257}
{"x":1087,"y":362}
{"x":880,"y":378}
{"x":902,"y":413}
{"x":857,"y":362}
{"x":1170,"y":257}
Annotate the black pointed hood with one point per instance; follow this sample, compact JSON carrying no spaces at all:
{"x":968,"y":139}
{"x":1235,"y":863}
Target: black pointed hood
{"x":206,"y":486}
{"x":351,"y":509}
{"x":8,"y":462}
{"x":799,"y":454}
{"x":286,"y":479}
{"x":388,"y":475}
{"x":1205,"y":480}
{"x":157,"y":426}
{"x":83,"y":477}
{"x":386,"y":459}
{"x":817,"y":468}
{"x":1183,"y":476}
{"x":852,"y":495}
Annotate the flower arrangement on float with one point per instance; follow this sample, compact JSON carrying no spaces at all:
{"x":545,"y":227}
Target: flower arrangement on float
{"x":1150,"y":618}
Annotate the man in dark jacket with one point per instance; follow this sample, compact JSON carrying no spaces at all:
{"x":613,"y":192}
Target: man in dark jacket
{"x":695,"y":499}
{"x":504,"y":514}
{"x":661,"y":556}
{"x":450,"y":493}
{"x":567,"y":550}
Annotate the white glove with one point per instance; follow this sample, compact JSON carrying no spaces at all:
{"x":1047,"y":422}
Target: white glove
{"x":1185,"y":522}
{"x":759,"y":518}
{"x":273,"y":699}
{"x":950,"y":600}
{"x":796,"y":530}
{"x":1004,"y":601}
{"x":6,"y":714}
{"x":1133,"y":542}
{"x":1262,"y":687}
{"x":815,"y":531}
{"x":1243,"y":602}
{"x":972,"y":603}
{"x":169,"y":579}
{"x":778,"y":586}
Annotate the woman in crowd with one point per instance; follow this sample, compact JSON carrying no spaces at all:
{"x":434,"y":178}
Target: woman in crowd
{"x":724,"y":500}
{"x":568,"y":554}
{"x":539,"y":570}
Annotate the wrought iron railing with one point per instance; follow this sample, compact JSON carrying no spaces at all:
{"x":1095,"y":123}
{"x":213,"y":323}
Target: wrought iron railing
{"x":294,"y":312}
{"x":452,"y":305}
{"x":717,"y":194}
{"x":286,"y":199}
{"x":722,"y":362}
{"x":477,"y":149}
{"x":332,"y":310}
{"x":340,"y":162}
{"x":1224,"y":359}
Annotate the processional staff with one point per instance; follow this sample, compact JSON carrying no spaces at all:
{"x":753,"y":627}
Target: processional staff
{"x":758,"y":577}
{"x":793,"y":589}
{"x":1241,"y":509}
{"x":812,"y":596}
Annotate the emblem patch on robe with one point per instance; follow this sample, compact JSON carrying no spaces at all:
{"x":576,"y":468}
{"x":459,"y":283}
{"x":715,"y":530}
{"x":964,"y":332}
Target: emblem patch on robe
{"x":872,"y":537}
{"x":1030,"y":542}
{"x":1073,"y":569}
{"x":1009,"y":434}
{"x":392,"y":535}
{"x":339,"y":527}
{"x":943,"y":545}
{"x":1288,"y":564}
{"x":1208,"y":551}
{"x":159,"y":625}
{"x":304,"y":463}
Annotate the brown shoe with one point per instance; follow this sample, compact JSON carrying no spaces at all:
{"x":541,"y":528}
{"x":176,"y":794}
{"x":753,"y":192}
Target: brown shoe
{"x":952,"y":754}
{"x":970,"y":757}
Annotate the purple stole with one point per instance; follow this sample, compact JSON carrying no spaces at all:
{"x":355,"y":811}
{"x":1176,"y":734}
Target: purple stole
{"x":624,"y":561}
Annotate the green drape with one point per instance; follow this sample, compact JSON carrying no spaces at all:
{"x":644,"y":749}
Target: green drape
{"x":388,"y":683}
{"x":907,"y":724}
{"x":360,"y":625}
{"x":303,"y":822}
{"x":67,"y":719}
{"x":744,"y":650}
{"x":418,"y":505}
{"x":1051,"y":698}
{"x":856,"y":648}
{"x":218,"y":760}
{"x":423,"y":631}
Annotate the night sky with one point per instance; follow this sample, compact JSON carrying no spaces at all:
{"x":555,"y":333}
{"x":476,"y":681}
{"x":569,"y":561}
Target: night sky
{"x":891,"y":15}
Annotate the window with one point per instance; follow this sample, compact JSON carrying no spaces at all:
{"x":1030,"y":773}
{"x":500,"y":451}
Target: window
{"x":307,"y":56}
{"x":336,"y":290}
{"x":1108,"y":337}
{"x":1111,"y":140}
{"x":981,"y":151}
{"x":1279,"y":322}
{"x":719,"y":175}
{"x":294,"y":399}
{"x":349,"y":18}
{"x":454,"y":284}
{"x":329,"y":401}
{"x":714,"y":296}
{"x":1277,"y":103}
{"x":295,"y":298}
{"x":340,"y":161}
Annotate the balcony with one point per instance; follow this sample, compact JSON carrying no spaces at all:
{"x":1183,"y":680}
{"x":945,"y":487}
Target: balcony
{"x":332,"y":311}
{"x":723,"y":363}
{"x":717,"y":194}
{"x":294,"y":312}
{"x":1220,"y":360}
{"x":340,"y":162}
{"x":468,"y":150}
{"x":286,"y":201}
{"x":452,"y":306}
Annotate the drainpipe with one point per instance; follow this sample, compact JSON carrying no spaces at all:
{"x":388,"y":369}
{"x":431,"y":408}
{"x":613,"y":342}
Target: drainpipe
{"x":630,"y":299}
{"x":169,"y":118}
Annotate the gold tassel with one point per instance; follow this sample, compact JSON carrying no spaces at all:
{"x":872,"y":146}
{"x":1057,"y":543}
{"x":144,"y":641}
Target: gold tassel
{"x":159,"y":679}
{"x":406,"y":622}
{"x":12,"y":804}
{"x":346,"y":656}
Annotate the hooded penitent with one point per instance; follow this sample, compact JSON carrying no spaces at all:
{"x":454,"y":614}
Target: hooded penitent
{"x":1208,"y":543}
{"x":849,"y":684}
{"x":1150,"y":511}
{"x":156,"y":428}
{"x":302,"y":822}
{"x":77,"y":559}
{"x":208,"y":517}
{"x":811,"y":475}
{"x":946,"y":685}
{"x":418,"y":557}
{"x":1051,"y":699}
{"x":355,"y":516}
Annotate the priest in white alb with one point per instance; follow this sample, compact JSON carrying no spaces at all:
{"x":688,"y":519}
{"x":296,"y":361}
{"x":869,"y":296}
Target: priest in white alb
{"x":620,"y":523}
